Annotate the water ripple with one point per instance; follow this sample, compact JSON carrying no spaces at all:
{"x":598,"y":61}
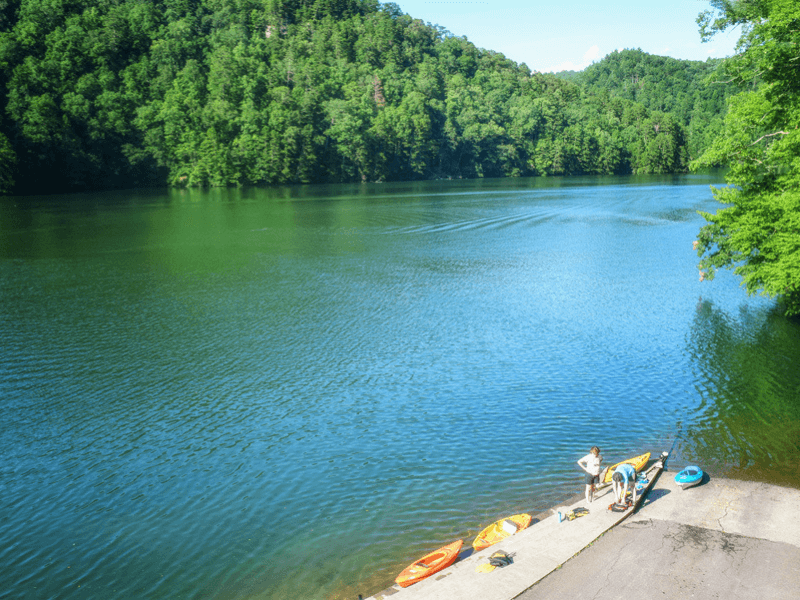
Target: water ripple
{"x":345,"y":382}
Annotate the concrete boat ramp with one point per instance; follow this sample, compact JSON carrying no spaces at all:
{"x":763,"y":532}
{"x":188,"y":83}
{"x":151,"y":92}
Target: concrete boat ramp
{"x":722,"y":539}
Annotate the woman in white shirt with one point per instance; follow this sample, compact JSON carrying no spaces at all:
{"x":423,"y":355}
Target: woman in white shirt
{"x":591,"y":464}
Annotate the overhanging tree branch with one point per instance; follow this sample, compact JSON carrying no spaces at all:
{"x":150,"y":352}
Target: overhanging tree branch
{"x":770,"y":135}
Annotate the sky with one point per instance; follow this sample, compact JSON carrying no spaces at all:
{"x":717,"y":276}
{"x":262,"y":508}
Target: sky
{"x":552,"y":36}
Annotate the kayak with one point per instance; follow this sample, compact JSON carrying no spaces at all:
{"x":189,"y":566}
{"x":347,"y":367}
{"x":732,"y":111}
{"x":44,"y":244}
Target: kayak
{"x":689,"y":477}
{"x":500,"y":530}
{"x":429,"y":564}
{"x":644,"y":481}
{"x":638,"y":463}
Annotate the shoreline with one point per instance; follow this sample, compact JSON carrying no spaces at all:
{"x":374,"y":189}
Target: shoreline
{"x":705,"y":522}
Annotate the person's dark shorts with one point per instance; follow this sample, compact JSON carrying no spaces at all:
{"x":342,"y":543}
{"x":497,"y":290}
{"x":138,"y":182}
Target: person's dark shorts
{"x":590,"y":479}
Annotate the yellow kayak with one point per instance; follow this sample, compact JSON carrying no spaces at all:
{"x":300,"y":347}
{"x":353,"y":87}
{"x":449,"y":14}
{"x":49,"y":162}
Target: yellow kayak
{"x":500,"y":530}
{"x":638,"y":463}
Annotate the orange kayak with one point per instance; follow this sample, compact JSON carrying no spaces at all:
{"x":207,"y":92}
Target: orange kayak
{"x":500,"y":530}
{"x":638,"y":463}
{"x":429,"y":564}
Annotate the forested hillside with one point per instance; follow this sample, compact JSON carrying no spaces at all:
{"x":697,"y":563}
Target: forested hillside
{"x":684,"y":88}
{"x":228,"y":92}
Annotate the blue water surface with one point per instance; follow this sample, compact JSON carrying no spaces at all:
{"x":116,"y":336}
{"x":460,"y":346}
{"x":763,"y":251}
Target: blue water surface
{"x":294,"y":392}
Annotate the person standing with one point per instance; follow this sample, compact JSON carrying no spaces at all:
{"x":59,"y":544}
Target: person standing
{"x":624,"y":476}
{"x":591,"y":464}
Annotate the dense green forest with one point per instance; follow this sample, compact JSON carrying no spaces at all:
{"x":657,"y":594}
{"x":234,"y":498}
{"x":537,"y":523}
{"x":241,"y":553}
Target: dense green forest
{"x":757,"y":232}
{"x":688,"y":89}
{"x":120,"y":93}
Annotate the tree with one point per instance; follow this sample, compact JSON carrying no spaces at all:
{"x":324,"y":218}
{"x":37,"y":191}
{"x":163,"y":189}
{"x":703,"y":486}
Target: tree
{"x":663,"y":84}
{"x":8,"y":162}
{"x":241,"y":92}
{"x":758,"y":233}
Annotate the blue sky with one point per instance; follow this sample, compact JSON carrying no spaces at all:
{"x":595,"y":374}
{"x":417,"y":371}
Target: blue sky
{"x":548,"y":36}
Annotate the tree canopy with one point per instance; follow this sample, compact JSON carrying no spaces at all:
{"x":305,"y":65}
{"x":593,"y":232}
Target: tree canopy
{"x":758,"y":233}
{"x":685,"y":88}
{"x":120,"y":93}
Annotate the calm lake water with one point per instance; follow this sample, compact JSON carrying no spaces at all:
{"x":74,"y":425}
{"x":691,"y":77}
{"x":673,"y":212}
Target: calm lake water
{"x":294,"y":392}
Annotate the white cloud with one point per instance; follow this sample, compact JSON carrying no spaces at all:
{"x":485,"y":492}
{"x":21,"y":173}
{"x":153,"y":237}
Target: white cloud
{"x":591,"y":54}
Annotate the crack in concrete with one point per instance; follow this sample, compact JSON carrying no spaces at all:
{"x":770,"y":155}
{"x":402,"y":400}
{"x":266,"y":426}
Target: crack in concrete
{"x":719,"y":521}
{"x":609,"y":572}
{"x":602,"y":590}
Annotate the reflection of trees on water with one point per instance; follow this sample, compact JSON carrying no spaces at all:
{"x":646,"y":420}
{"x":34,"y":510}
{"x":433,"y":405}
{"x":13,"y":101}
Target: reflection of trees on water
{"x":747,"y":377}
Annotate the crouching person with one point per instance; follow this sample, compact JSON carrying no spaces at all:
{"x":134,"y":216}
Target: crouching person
{"x":624,"y":479}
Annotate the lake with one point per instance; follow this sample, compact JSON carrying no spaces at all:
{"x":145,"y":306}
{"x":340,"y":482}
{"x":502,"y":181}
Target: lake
{"x":294,"y":392}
